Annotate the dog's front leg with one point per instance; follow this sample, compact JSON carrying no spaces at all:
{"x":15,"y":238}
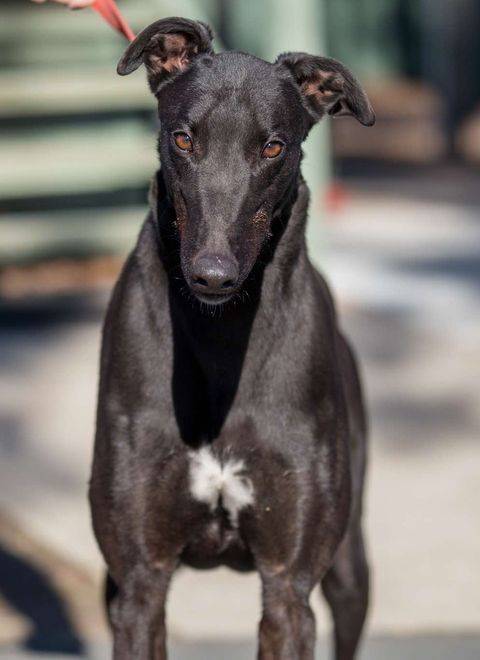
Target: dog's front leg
{"x":287,"y":628}
{"x":138,"y":615}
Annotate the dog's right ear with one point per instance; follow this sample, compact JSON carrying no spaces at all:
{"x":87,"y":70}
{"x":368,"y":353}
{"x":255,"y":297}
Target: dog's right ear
{"x":167,"y":48}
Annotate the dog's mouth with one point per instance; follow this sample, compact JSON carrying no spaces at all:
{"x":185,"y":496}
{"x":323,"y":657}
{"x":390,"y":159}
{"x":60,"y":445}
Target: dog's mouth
{"x":213,"y":299}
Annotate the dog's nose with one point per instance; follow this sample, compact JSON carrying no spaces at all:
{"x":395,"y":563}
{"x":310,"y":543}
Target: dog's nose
{"x":214,"y":273}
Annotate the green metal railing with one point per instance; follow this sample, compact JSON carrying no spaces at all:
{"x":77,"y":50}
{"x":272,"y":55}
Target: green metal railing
{"x":76,"y":136}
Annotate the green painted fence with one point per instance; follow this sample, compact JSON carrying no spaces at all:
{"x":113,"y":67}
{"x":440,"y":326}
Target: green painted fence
{"x":75,"y":136}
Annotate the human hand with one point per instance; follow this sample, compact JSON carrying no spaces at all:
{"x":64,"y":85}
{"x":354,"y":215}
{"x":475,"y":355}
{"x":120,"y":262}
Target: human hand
{"x":106,"y":8}
{"x":71,"y":4}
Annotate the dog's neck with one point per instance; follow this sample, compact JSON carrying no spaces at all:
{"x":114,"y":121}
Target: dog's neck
{"x":212,"y":346}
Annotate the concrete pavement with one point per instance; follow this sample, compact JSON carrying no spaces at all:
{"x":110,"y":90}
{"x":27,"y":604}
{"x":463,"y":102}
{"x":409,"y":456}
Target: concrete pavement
{"x":413,"y":648}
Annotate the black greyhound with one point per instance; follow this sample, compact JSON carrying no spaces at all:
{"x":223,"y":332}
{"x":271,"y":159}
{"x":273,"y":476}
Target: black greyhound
{"x":230,"y":424}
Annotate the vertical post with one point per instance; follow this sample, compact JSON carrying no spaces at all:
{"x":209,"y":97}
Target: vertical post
{"x":450,"y":54}
{"x":267,"y":29}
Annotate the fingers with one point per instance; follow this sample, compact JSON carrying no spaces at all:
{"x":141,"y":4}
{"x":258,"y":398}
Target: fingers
{"x":72,"y":4}
{"x":79,"y":4}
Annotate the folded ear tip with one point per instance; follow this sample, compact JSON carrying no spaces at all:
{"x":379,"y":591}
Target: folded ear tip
{"x":128,"y":64}
{"x":207,"y":30}
{"x":370,"y":120}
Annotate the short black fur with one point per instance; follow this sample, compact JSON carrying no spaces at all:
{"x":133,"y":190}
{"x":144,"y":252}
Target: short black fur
{"x":221,"y":337}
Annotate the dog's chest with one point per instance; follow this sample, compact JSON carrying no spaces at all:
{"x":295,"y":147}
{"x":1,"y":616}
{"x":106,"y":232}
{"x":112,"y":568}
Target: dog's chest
{"x":220,"y":483}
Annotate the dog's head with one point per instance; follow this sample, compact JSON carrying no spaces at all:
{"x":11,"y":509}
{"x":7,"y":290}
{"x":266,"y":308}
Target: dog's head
{"x":232,"y":126}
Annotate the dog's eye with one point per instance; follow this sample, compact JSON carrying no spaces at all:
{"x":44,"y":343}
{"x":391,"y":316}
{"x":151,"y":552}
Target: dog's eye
{"x":183,"y":141}
{"x":272,"y":149}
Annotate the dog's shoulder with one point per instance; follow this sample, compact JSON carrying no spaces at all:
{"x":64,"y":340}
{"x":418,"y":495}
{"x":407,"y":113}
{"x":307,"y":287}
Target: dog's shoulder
{"x":141,"y":289}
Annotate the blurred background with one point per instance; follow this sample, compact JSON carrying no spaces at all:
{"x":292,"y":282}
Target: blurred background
{"x":394,"y":224}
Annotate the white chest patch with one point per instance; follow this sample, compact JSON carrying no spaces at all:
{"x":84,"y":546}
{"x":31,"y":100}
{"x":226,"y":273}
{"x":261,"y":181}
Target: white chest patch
{"x":210,"y":481}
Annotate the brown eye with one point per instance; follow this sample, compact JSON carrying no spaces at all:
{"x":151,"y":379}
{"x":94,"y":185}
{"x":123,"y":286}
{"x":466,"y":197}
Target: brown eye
{"x":183,"y":141}
{"x":272,"y":149}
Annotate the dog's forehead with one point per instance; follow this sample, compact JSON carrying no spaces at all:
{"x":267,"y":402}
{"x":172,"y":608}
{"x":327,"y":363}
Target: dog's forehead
{"x":236,"y":83}
{"x":238,"y":70}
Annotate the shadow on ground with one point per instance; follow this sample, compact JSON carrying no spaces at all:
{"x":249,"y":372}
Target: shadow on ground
{"x":436,"y":647}
{"x":29,"y":593}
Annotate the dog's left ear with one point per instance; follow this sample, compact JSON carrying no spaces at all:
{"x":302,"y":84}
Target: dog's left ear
{"x":167,"y":48}
{"x":327,"y":87}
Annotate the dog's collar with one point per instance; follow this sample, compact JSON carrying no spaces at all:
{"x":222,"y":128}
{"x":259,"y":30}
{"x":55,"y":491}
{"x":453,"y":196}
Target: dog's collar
{"x":157,"y":197}
{"x":159,"y":205}
{"x":153,"y":197}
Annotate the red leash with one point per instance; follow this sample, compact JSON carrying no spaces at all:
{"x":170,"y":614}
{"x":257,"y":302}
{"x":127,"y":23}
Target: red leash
{"x":111,"y":13}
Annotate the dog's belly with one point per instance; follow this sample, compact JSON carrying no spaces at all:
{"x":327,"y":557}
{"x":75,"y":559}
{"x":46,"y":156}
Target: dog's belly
{"x":226,"y":489}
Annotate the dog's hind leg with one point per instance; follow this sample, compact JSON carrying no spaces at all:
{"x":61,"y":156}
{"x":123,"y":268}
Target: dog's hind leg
{"x":346,"y":587}
{"x":346,"y":584}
